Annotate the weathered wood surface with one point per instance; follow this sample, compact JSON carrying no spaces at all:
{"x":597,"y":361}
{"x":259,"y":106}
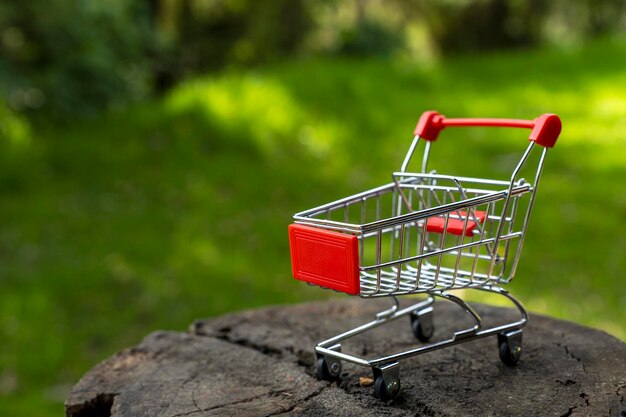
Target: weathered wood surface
{"x":261,"y":363}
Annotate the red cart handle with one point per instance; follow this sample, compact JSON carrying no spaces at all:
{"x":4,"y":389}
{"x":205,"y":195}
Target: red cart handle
{"x":545,"y":128}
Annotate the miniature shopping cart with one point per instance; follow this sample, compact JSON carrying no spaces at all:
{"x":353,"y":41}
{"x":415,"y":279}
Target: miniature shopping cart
{"x":423,"y":233}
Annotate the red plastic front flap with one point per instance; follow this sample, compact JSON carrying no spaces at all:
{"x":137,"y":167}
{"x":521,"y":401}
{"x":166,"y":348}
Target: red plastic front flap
{"x":325,"y":258}
{"x":455,"y":224}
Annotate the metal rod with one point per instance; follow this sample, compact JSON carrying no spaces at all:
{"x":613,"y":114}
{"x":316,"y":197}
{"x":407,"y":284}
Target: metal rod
{"x":458,"y":337}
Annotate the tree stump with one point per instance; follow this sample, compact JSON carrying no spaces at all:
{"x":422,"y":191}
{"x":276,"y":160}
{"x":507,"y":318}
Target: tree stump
{"x":261,"y":363}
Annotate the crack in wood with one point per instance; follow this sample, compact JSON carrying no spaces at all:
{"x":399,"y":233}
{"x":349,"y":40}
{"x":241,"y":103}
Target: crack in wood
{"x":569,"y":411}
{"x":269,"y":394}
{"x":98,"y":406}
{"x":585,"y":397}
{"x":303,"y":358}
{"x":194,"y":401}
{"x":578,"y":358}
{"x":567,"y":382}
{"x":621,"y":401}
{"x":264,"y":349}
{"x":303,"y":400}
{"x":571,"y":355}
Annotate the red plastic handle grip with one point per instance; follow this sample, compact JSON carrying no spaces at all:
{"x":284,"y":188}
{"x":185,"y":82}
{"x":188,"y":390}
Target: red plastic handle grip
{"x":545,"y":128}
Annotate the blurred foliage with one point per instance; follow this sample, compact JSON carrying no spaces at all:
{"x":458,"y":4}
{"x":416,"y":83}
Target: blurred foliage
{"x":16,"y":151}
{"x":465,"y":25}
{"x":177,"y":209}
{"x":474,"y":25}
{"x":369,"y":38}
{"x":208,"y":35}
{"x":64,"y":58}
{"x":74,"y":57}
{"x":14,"y":130}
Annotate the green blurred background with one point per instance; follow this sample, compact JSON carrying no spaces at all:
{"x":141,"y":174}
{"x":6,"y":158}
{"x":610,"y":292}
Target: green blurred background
{"x":152,"y":153}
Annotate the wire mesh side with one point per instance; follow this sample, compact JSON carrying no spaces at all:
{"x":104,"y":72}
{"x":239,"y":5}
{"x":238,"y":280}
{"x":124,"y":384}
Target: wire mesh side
{"x":399,"y":255}
{"x":409,"y":257}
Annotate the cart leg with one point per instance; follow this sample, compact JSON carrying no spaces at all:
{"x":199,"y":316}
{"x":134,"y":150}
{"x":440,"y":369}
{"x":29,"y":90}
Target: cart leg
{"x":467,"y":333}
{"x":422,"y":324}
{"x":328,"y":368}
{"x":510,"y":346}
{"x":515,"y":301}
{"x":383,"y":315}
{"x":387,"y":381}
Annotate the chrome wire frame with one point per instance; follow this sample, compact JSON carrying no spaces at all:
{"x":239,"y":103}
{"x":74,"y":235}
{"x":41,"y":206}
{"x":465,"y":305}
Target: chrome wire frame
{"x":331,"y":348}
{"x":399,"y":255}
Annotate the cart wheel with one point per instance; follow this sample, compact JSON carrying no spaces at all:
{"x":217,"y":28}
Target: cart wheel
{"x":328,"y":373}
{"x":422,"y":326}
{"x":510,"y":352}
{"x":386,"y":391}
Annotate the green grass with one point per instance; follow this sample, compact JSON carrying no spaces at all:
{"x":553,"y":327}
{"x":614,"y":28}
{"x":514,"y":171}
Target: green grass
{"x":178,"y":209}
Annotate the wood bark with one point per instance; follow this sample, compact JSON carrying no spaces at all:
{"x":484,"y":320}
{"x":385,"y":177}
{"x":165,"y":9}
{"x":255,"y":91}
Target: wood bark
{"x":261,"y":363}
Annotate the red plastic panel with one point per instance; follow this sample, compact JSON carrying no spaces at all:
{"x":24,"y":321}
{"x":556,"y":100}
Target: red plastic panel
{"x":325,"y":258}
{"x":455,"y":226}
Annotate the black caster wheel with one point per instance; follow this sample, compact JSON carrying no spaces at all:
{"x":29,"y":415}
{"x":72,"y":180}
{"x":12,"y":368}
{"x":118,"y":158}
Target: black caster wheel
{"x":327,"y":371}
{"x":510,"y":348}
{"x":422,"y":326}
{"x":386,"y":390}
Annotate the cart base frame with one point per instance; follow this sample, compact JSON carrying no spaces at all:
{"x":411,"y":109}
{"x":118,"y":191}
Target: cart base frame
{"x":386,"y":369}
